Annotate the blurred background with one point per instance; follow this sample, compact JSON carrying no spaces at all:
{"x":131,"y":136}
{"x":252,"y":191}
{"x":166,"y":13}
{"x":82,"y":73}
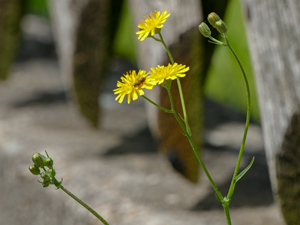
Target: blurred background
{"x":117,"y":169}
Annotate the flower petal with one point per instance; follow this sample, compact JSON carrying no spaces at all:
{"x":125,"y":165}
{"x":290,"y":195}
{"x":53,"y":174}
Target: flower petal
{"x":150,"y":24}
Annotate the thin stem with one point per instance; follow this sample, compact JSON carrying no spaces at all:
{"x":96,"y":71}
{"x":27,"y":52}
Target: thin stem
{"x":194,"y":147}
{"x":186,"y":128}
{"x":167,"y":49}
{"x":166,"y":110}
{"x":84,"y":205}
{"x":179,"y":88}
{"x":232,"y":186}
{"x":183,"y":107}
{"x":156,"y":39}
{"x":227,"y":213}
{"x":172,"y":102}
{"x":217,"y":42}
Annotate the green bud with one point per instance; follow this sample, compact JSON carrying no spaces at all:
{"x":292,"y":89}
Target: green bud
{"x":45,"y":176}
{"x":221,"y":27}
{"x":39,"y":159}
{"x":204,"y":30}
{"x":213,"y":18}
{"x":49,"y":162}
{"x":46,"y":183}
{"x":52,"y":172}
{"x":34,"y":169}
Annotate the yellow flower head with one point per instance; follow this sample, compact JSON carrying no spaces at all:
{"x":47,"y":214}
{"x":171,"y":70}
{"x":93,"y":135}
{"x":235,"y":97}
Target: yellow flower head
{"x":170,"y":72}
{"x":132,"y":84}
{"x":149,"y":25}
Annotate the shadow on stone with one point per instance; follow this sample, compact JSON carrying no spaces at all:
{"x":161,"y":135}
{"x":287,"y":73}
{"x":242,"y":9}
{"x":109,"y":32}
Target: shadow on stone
{"x":42,"y":98}
{"x":216,"y":114}
{"x":142,"y":142}
{"x":254,"y":189}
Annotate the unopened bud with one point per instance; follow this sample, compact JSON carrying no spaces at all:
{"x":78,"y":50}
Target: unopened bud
{"x":213,"y":18}
{"x":49,"y":162}
{"x":45,"y":176}
{"x":204,"y":30}
{"x":39,"y":159}
{"x":52,"y":172}
{"x":46,"y":183}
{"x":221,"y":27}
{"x":34,"y":169}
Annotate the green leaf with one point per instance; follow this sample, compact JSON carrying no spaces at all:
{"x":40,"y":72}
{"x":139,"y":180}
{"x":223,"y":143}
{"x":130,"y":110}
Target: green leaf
{"x":217,"y":197}
{"x":238,"y":177}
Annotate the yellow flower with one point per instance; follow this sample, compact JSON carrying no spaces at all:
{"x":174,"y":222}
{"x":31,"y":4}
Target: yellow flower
{"x":149,"y":25}
{"x":132,"y":84}
{"x":170,"y":72}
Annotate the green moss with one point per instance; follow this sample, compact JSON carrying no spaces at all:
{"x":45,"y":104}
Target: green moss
{"x":288,"y":172}
{"x":10,"y":17}
{"x":91,"y":55}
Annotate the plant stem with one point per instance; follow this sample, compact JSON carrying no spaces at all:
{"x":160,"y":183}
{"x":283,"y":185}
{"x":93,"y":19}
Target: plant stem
{"x":84,"y":205}
{"x":194,"y":147}
{"x":167,"y":49}
{"x":179,"y":88}
{"x":217,"y":42}
{"x":232,"y":185}
{"x":186,"y":129}
{"x":166,"y":110}
{"x":227,"y":213}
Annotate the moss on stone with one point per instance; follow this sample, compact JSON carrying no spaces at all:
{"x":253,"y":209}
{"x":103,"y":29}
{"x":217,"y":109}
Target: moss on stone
{"x":10,"y":17}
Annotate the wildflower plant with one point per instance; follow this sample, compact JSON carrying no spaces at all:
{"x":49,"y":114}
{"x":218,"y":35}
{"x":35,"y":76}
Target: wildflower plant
{"x":164,"y":75}
{"x":132,"y":84}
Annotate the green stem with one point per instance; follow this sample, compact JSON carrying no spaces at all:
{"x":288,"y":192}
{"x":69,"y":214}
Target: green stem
{"x":179,"y":88}
{"x":84,"y":205}
{"x":217,"y":42}
{"x":227,"y":213}
{"x":183,"y":107}
{"x":189,"y":137}
{"x":156,"y":39}
{"x":186,"y":128}
{"x":167,"y":49}
{"x":232,"y":186}
{"x":166,"y":110}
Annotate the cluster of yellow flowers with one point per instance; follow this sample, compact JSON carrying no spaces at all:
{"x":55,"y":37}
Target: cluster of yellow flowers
{"x":132,"y":83}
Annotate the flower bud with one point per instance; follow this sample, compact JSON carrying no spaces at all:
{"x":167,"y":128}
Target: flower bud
{"x":49,"y":162}
{"x":221,"y":27}
{"x":45,"y":176}
{"x":213,"y":18}
{"x":51,"y":172}
{"x":34,"y":169}
{"x":46,"y":183}
{"x":39,"y":159}
{"x":204,"y":30}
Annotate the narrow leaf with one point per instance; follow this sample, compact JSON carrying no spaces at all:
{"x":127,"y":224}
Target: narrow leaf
{"x":238,"y":177}
{"x":217,"y":197}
